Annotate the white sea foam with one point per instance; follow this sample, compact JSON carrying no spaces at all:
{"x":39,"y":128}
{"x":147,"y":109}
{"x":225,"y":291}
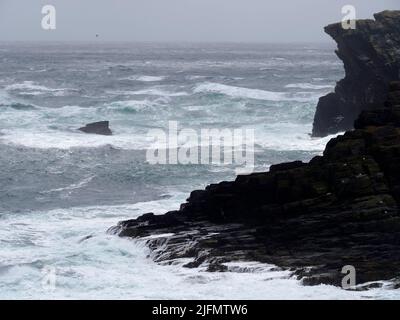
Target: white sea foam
{"x":193,"y":77}
{"x":257,"y":94}
{"x":290,"y":137}
{"x":145,"y":78}
{"x":319,"y":79}
{"x":56,"y":128}
{"x":73,"y":186}
{"x":33,"y":89}
{"x":46,"y":128}
{"x":47,"y":139}
{"x":150,"y":92}
{"x":132,"y":105}
{"x":90,"y":264}
{"x":278,"y":136}
{"x":238,"y":92}
{"x":309,"y":86}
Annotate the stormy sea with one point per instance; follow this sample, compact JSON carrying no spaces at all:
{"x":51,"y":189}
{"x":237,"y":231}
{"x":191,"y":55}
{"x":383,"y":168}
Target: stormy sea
{"x":61,"y":189}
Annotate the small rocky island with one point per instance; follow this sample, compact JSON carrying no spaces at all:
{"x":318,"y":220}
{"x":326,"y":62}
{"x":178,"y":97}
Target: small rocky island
{"x":341,"y":208}
{"x":101,"y":127}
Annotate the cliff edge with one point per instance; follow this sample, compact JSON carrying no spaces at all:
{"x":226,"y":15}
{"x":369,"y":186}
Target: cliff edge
{"x":371,"y":58}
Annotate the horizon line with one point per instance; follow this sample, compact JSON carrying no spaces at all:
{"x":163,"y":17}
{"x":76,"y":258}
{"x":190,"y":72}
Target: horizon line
{"x":169,"y":41}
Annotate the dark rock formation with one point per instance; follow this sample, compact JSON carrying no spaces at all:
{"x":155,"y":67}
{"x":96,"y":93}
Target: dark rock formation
{"x":313,"y":218}
{"x":101,"y":127}
{"x":371,"y":57}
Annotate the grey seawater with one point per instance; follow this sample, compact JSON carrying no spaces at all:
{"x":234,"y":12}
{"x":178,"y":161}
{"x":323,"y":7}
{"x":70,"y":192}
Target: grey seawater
{"x":61,"y":189}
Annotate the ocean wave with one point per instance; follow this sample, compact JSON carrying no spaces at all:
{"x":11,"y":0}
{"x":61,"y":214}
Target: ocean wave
{"x":290,"y":137}
{"x":305,"y":85}
{"x":30,"y":88}
{"x":73,"y":186}
{"x":150,"y":92}
{"x":271,"y":136}
{"x":20,"y":106}
{"x":119,"y":67}
{"x":6,"y":101}
{"x":131,"y":106}
{"x":47,"y":138}
{"x":238,"y":92}
{"x":195,"y":77}
{"x":318,"y":79}
{"x":256,"y":94}
{"x":145,"y":78}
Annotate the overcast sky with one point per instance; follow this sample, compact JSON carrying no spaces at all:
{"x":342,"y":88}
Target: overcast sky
{"x":181,"y":20}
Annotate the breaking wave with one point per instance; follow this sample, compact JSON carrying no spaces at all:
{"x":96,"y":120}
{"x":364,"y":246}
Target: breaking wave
{"x":309,"y":86}
{"x":144,"y":78}
{"x":150,"y":92}
{"x":30,"y":88}
{"x":256,"y":94}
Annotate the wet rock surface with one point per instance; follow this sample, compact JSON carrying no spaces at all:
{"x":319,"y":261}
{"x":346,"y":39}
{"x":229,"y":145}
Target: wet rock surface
{"x":371,"y":57}
{"x":101,"y":127}
{"x":313,"y":218}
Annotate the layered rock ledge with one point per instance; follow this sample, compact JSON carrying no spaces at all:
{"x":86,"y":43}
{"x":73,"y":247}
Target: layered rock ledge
{"x":313,"y":218}
{"x":371,"y":58}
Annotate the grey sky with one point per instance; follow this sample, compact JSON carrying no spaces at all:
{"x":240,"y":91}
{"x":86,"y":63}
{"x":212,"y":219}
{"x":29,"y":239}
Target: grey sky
{"x":181,"y":20}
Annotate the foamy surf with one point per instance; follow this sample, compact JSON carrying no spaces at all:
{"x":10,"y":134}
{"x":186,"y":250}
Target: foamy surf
{"x":145,"y":78}
{"x":279,"y":137}
{"x":91,"y":264}
{"x":132,"y":106}
{"x":291,"y":137}
{"x":309,"y":86}
{"x":150,"y":92}
{"x":257,"y":94}
{"x":30,"y":88}
{"x":73,"y":186}
{"x":64,"y":140}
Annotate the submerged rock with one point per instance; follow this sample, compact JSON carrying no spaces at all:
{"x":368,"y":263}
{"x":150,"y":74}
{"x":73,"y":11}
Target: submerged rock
{"x":313,"y":218}
{"x":371,"y":58}
{"x":101,"y":127}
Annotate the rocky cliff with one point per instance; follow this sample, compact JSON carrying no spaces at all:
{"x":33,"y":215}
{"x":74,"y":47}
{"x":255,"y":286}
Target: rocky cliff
{"x":313,"y":218}
{"x":371,"y":58}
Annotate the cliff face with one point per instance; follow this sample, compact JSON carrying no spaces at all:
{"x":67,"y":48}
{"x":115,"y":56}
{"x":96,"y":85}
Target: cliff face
{"x":339,"y":209}
{"x":371,"y":57}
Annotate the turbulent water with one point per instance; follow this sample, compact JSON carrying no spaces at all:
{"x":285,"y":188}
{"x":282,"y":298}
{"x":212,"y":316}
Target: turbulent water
{"x":61,"y":189}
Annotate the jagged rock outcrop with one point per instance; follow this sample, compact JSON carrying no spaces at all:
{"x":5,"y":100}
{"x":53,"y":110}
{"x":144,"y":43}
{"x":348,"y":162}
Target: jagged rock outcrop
{"x":371,"y":58}
{"x":101,"y":127}
{"x":313,"y":218}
